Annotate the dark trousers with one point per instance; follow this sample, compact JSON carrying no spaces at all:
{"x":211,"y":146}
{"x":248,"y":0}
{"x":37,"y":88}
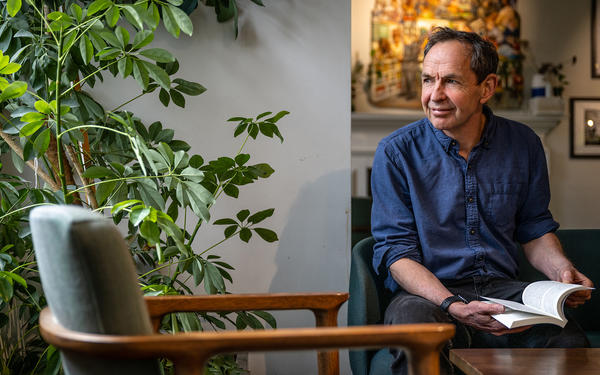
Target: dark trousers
{"x":407,"y":308}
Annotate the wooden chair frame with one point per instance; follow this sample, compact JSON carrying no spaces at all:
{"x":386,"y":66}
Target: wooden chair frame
{"x":190,"y":351}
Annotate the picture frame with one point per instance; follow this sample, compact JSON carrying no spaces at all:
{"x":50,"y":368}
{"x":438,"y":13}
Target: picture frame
{"x":595,"y":39}
{"x":585,"y":127}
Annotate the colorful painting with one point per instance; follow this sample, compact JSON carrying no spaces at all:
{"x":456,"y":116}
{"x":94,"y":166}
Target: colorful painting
{"x":399,"y":33}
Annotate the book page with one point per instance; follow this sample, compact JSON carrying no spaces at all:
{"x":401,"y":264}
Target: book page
{"x":515,"y":319}
{"x":549,"y":296}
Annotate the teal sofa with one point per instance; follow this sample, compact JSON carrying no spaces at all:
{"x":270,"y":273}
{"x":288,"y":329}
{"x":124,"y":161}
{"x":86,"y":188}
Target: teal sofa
{"x":369,"y":299}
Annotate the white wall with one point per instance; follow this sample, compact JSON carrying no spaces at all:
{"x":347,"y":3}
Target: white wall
{"x":291,"y":55}
{"x":556,"y":30}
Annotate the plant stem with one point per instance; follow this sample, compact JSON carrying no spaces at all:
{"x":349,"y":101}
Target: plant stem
{"x":59,"y":149}
{"x":129,"y":101}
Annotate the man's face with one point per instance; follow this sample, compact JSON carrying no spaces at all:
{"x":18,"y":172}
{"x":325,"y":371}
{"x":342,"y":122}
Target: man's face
{"x":451,"y":94}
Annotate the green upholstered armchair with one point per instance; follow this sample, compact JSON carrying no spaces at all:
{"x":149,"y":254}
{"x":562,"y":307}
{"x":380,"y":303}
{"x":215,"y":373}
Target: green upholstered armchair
{"x":101,"y":324}
{"x":369,"y":299}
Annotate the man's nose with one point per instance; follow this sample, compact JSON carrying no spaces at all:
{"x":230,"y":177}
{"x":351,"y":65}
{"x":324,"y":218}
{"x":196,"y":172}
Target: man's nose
{"x":438,"y":93}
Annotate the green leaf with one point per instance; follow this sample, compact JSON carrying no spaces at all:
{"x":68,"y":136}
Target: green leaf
{"x":158,"y":74}
{"x":10,"y":68}
{"x":33,"y":116}
{"x":196,"y":161}
{"x":240,"y":129}
{"x":158,"y":55}
{"x":261,"y":215}
{"x":245,"y":234}
{"x":261,"y":170}
{"x":97,"y":6}
{"x":13,"y":7}
{"x":164,"y":97}
{"x":182,"y":20}
{"x":225,"y":221}
{"x":111,"y":39}
{"x":138,"y":214}
{"x":242,"y":159}
{"x":166,"y":153}
{"x":242,"y":215}
{"x":231,"y":190}
{"x":197,"y":271}
{"x":153,"y":15}
{"x":133,"y":17}
{"x":170,"y":22}
{"x":177,"y":98}
{"x":68,"y":41}
{"x":142,"y":39}
{"x":17,"y":278}
{"x":123,"y":205}
{"x":6,"y":288}
{"x":266,"y":234}
{"x":112,"y":16}
{"x":140,"y":73}
{"x":122,"y":36}
{"x":104,"y":190}
{"x":268,"y":318}
{"x":230,"y":231}
{"x":150,"y":232}
{"x":188,"y":88}
{"x":215,"y":277}
{"x":42,"y":106}
{"x":278,"y":116}
{"x":263,"y":115}
{"x":42,"y":142}
{"x":98,"y":172}
{"x":31,"y":128}
{"x":86,"y":49}
{"x":14,"y":90}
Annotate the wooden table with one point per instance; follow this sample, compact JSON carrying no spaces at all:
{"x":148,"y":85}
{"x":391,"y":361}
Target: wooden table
{"x":527,"y":361}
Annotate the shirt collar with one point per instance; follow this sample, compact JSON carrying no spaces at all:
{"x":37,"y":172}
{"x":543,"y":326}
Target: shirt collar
{"x":486,"y":136}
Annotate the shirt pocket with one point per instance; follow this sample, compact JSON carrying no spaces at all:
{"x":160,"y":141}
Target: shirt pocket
{"x":504,"y":203}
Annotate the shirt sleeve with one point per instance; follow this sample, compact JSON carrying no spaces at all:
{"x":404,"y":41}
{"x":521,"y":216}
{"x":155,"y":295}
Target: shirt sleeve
{"x":392,"y":219}
{"x":534,"y":218}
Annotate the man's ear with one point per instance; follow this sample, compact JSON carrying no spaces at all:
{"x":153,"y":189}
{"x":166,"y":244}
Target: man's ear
{"x":488,"y":88}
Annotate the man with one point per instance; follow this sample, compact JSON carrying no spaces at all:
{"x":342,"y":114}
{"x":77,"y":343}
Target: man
{"x":453,"y":195}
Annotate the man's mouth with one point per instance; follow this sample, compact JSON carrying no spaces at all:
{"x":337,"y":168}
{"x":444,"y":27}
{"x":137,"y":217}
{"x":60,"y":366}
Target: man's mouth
{"x":439,"y":111}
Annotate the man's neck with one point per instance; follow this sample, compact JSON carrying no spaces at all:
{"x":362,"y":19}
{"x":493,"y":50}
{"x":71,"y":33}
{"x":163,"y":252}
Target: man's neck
{"x":468,"y":136}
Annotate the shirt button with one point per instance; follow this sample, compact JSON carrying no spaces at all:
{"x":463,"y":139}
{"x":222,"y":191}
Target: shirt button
{"x":472,"y":231}
{"x":469,"y":166}
{"x":453,"y":143}
{"x":479,"y":257}
{"x":471,"y":199}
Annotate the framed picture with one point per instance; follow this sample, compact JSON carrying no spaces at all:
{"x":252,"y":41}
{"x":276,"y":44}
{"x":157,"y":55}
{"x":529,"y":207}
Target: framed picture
{"x":585,"y":127}
{"x":595,"y":39}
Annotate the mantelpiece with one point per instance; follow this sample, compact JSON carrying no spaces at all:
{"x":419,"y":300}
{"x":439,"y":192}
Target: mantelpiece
{"x":368,"y":128}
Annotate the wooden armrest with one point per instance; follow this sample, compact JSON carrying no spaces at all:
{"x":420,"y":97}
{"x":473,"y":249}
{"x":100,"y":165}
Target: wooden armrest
{"x":325,"y":306}
{"x":190,"y":351}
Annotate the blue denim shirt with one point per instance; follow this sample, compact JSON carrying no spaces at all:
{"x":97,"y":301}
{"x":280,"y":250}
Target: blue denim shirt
{"x":459,"y":218}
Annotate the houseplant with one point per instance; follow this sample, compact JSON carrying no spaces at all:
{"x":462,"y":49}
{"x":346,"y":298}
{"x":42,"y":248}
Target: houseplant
{"x":109,"y":160}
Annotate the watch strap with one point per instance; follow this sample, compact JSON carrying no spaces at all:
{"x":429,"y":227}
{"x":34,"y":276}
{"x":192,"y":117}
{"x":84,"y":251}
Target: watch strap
{"x":450,"y":300}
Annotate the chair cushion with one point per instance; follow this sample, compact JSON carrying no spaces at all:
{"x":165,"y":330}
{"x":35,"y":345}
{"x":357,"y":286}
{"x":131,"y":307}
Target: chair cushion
{"x":381,"y":362}
{"x":594,"y":337}
{"x":90,"y":283}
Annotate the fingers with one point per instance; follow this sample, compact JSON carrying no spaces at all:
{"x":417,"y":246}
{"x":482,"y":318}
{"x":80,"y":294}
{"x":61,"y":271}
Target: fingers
{"x":578,"y":298}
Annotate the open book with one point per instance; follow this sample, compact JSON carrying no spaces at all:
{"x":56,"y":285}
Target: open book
{"x":542,"y":303}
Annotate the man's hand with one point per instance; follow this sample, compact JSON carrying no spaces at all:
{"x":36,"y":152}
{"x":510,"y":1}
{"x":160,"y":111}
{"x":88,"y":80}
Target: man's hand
{"x":479,"y":315}
{"x":572,"y":276}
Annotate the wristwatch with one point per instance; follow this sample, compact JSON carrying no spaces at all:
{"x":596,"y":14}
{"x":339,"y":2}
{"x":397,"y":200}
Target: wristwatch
{"x":450,"y":300}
